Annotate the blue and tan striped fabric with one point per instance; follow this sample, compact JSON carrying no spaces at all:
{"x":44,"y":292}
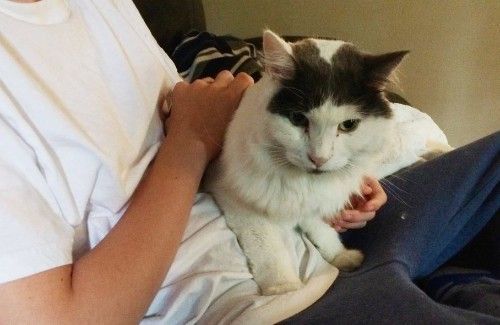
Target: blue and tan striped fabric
{"x":202,"y":54}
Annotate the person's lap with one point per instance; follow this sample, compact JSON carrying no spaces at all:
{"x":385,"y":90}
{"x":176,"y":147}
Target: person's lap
{"x":433,"y":211}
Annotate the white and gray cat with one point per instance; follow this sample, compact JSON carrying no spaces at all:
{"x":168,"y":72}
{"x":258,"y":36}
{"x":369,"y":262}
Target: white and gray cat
{"x":298,"y":147}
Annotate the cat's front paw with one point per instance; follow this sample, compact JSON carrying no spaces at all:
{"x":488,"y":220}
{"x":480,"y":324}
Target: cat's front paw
{"x":281,"y":288}
{"x":348,"y":260}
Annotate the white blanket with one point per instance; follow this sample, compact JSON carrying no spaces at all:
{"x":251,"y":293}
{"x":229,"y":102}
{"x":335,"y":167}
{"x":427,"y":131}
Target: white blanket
{"x":209,"y":281}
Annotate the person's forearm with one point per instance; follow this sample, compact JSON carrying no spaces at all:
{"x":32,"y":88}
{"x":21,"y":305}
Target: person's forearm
{"x":115,"y":282}
{"x":120,"y":276}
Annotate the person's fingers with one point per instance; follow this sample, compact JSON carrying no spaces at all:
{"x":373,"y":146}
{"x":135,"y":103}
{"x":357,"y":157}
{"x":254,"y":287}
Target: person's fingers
{"x":356,"y":202}
{"x":180,"y":85}
{"x":377,"y":199}
{"x":373,"y":183}
{"x":208,"y":79}
{"x":361,"y":208}
{"x":339,"y":229}
{"x":350,"y":219}
{"x":366,"y":216}
{"x":355,"y":225}
{"x":348,"y":225}
{"x":366,"y":190}
{"x":179,"y":90}
{"x":200,"y":83}
{"x":353,"y":216}
{"x":223,"y":79}
{"x":241,"y":82}
{"x":349,"y":215}
{"x":167,"y":105}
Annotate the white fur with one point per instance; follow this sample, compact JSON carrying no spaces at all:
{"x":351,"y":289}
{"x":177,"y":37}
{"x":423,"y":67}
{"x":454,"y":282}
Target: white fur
{"x":260,"y":196}
{"x":327,"y":48}
{"x":278,"y":59}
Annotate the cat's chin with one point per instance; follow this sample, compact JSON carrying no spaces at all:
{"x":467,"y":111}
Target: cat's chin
{"x":306,"y":170}
{"x":318,"y":171}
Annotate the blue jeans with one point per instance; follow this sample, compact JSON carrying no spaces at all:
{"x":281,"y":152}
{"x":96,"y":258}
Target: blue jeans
{"x":433,"y":211}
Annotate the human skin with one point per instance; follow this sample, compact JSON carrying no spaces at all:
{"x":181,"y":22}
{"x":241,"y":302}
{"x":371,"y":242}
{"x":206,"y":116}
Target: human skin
{"x":362,"y":208}
{"x":115,"y":282}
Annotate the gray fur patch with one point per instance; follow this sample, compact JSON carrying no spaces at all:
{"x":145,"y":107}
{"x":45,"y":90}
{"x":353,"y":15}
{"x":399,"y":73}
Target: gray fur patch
{"x":346,"y":79}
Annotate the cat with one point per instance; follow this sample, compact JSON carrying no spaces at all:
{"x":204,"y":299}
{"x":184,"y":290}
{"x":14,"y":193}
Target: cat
{"x":297,"y":149}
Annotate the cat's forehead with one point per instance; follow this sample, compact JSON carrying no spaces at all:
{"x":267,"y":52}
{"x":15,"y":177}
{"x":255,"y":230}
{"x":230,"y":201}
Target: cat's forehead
{"x":317,"y":77}
{"x":313,"y":49}
{"x":325,"y":72}
{"x":325,"y":116}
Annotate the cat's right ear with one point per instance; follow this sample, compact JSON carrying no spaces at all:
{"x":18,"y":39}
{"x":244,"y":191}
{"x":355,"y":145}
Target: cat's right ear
{"x":278,"y":58}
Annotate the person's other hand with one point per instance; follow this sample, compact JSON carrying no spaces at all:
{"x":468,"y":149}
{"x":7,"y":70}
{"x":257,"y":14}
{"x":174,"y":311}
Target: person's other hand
{"x":362,"y":208}
{"x":200,"y":111}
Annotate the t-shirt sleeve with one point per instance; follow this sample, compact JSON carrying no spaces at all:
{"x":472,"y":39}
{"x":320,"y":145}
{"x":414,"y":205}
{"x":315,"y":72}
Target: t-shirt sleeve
{"x":34,"y":237}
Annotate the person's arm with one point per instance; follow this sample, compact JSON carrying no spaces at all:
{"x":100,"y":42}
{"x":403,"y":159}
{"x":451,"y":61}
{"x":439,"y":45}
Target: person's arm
{"x":115,"y":282}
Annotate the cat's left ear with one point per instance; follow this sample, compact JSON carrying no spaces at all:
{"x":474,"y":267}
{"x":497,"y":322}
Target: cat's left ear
{"x":379,"y":68}
{"x":278,"y":58}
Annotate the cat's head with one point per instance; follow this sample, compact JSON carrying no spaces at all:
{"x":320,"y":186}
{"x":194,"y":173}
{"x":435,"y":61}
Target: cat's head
{"x":329,"y":110}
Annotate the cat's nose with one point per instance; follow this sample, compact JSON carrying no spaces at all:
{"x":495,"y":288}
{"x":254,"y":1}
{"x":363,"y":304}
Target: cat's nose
{"x":317,"y":161}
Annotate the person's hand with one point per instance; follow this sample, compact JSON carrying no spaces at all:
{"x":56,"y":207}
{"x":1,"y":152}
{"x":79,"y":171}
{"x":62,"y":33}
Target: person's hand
{"x":201,"y":111}
{"x":362,"y":208}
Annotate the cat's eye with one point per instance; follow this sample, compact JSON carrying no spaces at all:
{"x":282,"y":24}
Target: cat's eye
{"x":299,"y":119}
{"x":348,"y":125}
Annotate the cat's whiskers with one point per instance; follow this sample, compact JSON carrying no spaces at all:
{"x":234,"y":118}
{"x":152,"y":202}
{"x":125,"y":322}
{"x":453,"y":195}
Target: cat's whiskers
{"x":402,"y":178}
{"x":348,"y":167}
{"x":276,"y":154}
{"x":397,"y":187}
{"x":295,"y":91}
{"x":393,"y":189}
{"x":281,"y":162}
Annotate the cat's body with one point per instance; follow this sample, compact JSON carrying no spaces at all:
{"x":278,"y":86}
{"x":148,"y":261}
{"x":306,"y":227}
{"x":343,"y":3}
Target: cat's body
{"x":298,"y":147}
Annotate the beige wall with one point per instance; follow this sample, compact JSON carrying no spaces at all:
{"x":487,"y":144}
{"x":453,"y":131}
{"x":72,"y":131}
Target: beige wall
{"x":452,"y":73}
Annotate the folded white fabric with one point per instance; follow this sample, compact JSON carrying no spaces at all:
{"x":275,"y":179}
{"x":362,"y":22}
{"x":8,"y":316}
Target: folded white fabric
{"x":415,"y":135}
{"x":209,"y":281}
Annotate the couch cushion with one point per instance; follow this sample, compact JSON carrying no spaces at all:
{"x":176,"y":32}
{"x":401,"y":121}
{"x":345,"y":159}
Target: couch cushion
{"x":168,"y":20}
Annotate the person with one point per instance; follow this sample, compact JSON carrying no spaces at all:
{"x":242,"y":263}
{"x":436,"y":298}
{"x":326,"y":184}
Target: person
{"x":82,"y":142}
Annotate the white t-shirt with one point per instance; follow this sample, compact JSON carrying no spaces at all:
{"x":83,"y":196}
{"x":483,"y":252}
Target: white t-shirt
{"x":81,"y":82}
